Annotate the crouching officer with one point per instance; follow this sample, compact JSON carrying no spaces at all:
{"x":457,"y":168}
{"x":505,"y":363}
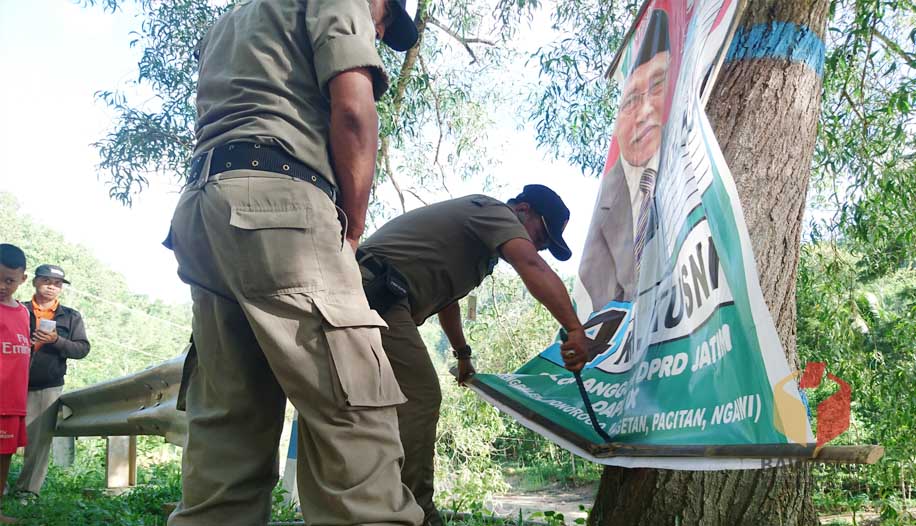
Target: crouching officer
{"x":286,"y":127}
{"x":423,"y":262}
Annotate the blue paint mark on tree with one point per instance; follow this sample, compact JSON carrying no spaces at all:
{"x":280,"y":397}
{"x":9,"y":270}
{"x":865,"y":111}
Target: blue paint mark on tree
{"x":779,"y":40}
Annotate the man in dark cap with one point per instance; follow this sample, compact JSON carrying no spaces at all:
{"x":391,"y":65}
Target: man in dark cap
{"x":423,"y":262}
{"x":287,"y":136}
{"x":58,"y":335}
{"x":623,"y":221}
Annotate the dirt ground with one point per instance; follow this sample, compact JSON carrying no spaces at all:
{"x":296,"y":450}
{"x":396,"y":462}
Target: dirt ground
{"x":557,"y":498}
{"x":862,"y":519}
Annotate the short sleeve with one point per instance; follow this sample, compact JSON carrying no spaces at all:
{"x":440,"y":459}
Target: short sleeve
{"x":342,"y":36}
{"x":493,"y":223}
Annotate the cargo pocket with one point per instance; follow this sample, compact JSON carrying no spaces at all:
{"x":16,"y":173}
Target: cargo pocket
{"x":275,"y":251}
{"x":357,"y":356}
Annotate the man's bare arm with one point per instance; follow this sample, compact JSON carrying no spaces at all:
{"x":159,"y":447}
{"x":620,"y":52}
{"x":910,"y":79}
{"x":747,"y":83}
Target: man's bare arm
{"x":548,"y":288}
{"x":450,"y":320}
{"x":354,"y":144}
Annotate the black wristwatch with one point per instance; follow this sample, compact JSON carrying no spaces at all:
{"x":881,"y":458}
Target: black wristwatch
{"x":463,"y":353}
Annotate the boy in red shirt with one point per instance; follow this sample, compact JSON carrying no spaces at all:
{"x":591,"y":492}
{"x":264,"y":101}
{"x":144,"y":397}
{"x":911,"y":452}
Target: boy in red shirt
{"x":15,"y":352}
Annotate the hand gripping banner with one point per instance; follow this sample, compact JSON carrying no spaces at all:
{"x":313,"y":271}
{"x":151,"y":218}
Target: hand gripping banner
{"x":688,"y":372}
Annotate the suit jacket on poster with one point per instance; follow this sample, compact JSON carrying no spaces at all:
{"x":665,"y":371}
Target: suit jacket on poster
{"x":607,"y":269}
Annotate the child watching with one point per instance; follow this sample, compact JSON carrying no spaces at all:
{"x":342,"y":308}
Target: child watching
{"x":15,"y":352}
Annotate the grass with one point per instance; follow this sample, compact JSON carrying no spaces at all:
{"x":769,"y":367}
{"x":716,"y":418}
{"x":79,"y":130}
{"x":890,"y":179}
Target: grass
{"x":533,"y":477}
{"x":74,"y":496}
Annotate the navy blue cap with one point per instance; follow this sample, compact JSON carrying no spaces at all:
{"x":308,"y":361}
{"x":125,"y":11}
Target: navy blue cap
{"x":401,"y":33}
{"x":548,"y":204}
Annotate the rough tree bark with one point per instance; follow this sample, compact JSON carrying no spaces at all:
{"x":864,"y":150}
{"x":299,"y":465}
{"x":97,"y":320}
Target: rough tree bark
{"x":765,"y":114}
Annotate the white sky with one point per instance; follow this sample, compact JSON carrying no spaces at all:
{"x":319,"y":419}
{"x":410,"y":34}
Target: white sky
{"x":54,"y":55}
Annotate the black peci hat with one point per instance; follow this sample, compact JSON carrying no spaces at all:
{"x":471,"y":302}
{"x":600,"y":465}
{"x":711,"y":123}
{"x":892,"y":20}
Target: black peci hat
{"x":656,"y":39}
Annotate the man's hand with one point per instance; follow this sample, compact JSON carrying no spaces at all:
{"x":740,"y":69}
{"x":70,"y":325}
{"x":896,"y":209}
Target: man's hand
{"x":353,"y":243}
{"x":40,"y":336}
{"x":575,"y":350}
{"x":465,"y":370}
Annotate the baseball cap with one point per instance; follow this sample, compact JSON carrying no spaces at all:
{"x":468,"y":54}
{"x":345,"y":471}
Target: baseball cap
{"x":548,"y":204}
{"x":51,"y":271}
{"x":401,"y":33}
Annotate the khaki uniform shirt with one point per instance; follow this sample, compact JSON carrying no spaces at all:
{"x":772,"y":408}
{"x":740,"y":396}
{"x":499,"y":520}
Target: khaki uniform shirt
{"x":446,"y":249}
{"x":264,"y":72}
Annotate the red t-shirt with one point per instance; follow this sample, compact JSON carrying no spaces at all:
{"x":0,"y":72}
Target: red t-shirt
{"x":15,"y":353}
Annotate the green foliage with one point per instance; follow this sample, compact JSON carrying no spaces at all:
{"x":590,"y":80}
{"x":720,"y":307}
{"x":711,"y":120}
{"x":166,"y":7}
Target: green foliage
{"x":157,"y":136}
{"x":75,"y":495}
{"x":128,"y":332}
{"x":865,"y":159}
{"x":572,"y":105}
{"x":506,"y":333}
{"x":466,"y":468}
{"x":864,"y":330}
{"x":438,"y":109}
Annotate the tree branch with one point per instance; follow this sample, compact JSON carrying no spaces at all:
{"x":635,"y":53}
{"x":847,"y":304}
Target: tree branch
{"x":437,"y":105}
{"x":855,"y":109}
{"x":409,"y":60}
{"x":894,"y":47}
{"x":466,"y":42}
{"x":413,"y":193}
{"x":390,"y":173}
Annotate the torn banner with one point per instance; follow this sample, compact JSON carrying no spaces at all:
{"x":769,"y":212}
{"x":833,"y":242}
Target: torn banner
{"x":689,"y":372}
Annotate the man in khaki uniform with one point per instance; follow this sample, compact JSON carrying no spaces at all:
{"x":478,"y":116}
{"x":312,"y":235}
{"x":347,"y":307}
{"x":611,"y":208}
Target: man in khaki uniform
{"x":423,"y":262}
{"x":286,"y":127}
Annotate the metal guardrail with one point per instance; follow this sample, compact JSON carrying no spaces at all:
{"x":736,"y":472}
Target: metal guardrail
{"x":142,"y":403}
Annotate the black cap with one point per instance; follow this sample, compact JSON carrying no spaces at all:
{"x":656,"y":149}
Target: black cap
{"x":656,"y":39}
{"x":51,"y":271}
{"x":548,"y":204}
{"x":401,"y":33}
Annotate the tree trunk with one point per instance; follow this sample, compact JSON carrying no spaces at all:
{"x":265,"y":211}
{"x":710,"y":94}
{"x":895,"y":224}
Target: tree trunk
{"x":764,"y":113}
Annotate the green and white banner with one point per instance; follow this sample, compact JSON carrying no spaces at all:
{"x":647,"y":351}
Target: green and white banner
{"x":689,"y":371}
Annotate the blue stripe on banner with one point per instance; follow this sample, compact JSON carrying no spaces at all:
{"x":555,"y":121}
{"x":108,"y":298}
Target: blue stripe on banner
{"x":784,"y":40}
{"x":293,"y":439}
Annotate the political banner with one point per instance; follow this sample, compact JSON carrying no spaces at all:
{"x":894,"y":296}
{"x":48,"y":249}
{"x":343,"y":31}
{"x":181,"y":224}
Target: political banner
{"x":688,"y":371}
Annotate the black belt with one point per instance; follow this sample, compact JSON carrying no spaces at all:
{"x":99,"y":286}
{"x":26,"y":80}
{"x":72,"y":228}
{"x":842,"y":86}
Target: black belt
{"x":253,"y":156}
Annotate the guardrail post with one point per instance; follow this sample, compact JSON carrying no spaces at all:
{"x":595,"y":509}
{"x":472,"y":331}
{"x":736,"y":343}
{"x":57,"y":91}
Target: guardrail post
{"x":121,"y":462}
{"x":63,"y":450}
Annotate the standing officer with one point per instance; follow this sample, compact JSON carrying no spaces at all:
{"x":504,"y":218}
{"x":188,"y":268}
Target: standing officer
{"x":423,"y":262}
{"x":286,"y":129}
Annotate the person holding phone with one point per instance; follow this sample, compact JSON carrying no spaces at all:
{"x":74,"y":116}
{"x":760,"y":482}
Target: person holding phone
{"x":58,"y":334}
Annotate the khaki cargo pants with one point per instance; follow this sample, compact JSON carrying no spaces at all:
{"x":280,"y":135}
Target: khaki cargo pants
{"x":417,"y":419}
{"x":279,"y":313}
